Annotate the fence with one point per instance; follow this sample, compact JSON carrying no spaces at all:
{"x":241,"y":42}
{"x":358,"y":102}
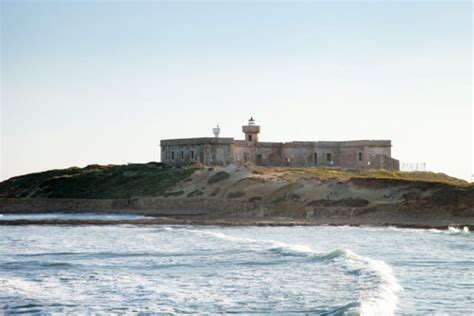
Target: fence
{"x":413,"y":166}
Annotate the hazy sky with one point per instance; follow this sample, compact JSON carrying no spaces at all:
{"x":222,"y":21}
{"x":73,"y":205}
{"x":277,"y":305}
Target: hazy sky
{"x":103,"y":82}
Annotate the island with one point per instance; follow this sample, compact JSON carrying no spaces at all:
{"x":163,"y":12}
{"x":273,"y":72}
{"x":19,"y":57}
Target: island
{"x":244,"y":195}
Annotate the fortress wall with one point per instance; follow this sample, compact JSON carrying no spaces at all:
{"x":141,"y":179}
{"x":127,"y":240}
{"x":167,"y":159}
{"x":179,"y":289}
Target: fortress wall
{"x":355,"y":143}
{"x":218,"y":154}
{"x":182,"y":154}
{"x":211,"y":151}
{"x":197,"y":141}
{"x":376,"y":154}
{"x":322,"y":152}
{"x":269,"y":156}
{"x":298,"y":156}
{"x":244,"y":152}
{"x":349,"y":157}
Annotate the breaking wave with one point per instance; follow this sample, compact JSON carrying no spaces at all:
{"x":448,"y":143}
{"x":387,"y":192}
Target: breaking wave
{"x":380,"y":299}
{"x":453,"y":231}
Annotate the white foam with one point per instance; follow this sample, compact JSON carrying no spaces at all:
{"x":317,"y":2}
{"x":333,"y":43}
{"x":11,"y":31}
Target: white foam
{"x":270,"y":243}
{"x":457,"y":230}
{"x":292,"y":247}
{"x":452,"y":231}
{"x":384,"y":300}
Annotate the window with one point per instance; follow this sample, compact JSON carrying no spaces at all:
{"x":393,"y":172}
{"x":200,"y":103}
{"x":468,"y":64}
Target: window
{"x":192,"y":154}
{"x":359,"y":157}
{"x":271,"y":157}
{"x":172,"y":155}
{"x":329,"y":157}
{"x":182,"y":154}
{"x":250,"y":138}
{"x":315,"y":159}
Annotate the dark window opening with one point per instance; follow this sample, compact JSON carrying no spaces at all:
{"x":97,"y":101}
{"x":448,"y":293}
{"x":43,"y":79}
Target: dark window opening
{"x":182,"y":154}
{"x":315,"y":158}
{"x":172,"y":155}
{"x":192,"y":154}
{"x":360,"y":157}
{"x":250,"y":138}
{"x":329,"y":157}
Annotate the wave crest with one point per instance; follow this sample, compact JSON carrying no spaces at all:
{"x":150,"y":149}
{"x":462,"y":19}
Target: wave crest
{"x":381,"y":301}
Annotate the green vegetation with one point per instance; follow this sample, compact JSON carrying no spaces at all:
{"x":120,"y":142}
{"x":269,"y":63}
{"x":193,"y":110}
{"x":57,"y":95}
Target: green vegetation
{"x":156,"y":179}
{"x":97,"y":181}
{"x":293,"y":174}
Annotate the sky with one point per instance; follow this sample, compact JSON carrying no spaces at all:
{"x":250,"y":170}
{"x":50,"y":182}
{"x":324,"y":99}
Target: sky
{"x":88,"y":82}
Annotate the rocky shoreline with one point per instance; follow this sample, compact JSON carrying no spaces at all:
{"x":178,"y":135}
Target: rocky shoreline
{"x":219,"y":222}
{"x":232,"y":212}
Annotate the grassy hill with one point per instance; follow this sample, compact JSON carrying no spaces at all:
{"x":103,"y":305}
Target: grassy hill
{"x":292,"y":174}
{"x":156,"y":179}
{"x":97,"y":181}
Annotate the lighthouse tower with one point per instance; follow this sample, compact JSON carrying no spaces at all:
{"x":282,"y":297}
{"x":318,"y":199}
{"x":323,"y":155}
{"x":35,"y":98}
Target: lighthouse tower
{"x":251,"y":131}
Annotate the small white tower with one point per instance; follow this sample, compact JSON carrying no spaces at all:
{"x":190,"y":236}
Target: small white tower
{"x":216,"y":131}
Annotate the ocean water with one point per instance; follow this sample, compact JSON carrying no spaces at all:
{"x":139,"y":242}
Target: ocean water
{"x":205,"y":270}
{"x":70,"y":216}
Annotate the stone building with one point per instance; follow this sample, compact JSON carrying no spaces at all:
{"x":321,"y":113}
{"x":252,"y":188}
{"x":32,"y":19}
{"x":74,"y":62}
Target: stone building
{"x":358,"y":154}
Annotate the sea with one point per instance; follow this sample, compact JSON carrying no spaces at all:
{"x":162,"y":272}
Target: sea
{"x":133,"y":269}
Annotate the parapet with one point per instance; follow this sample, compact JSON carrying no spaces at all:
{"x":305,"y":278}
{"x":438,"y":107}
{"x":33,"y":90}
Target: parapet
{"x":197,"y":141}
{"x":362,"y":143}
{"x":332,"y":144}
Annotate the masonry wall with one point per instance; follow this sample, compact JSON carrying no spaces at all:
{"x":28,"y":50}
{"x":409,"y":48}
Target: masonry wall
{"x":208,"y":151}
{"x":244,"y":152}
{"x":269,"y":154}
{"x":365,"y":154}
{"x":350,"y":155}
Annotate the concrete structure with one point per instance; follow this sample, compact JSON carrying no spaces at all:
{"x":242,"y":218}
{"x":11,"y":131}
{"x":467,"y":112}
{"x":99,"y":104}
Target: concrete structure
{"x":359,"y":154}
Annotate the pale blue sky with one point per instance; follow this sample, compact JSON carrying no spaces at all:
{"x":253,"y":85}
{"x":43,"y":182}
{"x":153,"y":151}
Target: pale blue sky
{"x":103,"y":82}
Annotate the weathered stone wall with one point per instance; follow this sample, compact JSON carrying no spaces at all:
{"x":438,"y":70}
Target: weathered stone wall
{"x":191,"y":204}
{"x":363,"y":154}
{"x":269,"y":154}
{"x":218,"y":154}
{"x":244,"y":152}
{"x":298,"y":154}
{"x":209,"y":151}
